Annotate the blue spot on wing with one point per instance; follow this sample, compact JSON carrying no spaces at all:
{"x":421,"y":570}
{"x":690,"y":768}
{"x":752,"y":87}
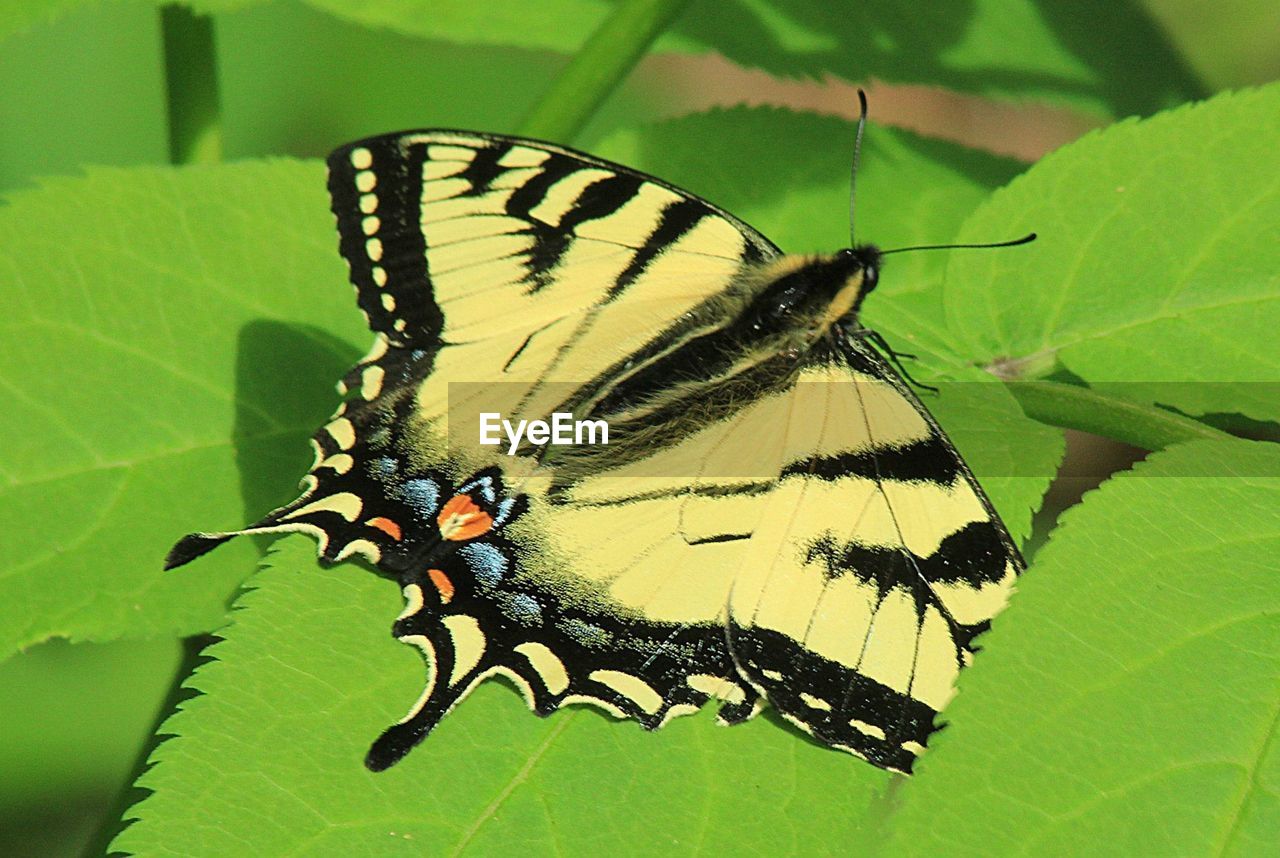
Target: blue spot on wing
{"x":504,"y":512}
{"x":485,"y":486}
{"x":487,"y":563}
{"x":522,"y":607}
{"x":422,"y":496}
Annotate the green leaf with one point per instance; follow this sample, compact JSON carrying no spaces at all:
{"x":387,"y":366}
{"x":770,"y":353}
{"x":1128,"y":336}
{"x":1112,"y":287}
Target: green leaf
{"x":18,"y":16}
{"x":1229,"y":44}
{"x":1157,"y":267}
{"x":326,"y":80}
{"x":43,"y":748}
{"x":1129,"y":698}
{"x":75,"y":718}
{"x":1107,"y":58}
{"x":72,"y":97}
{"x":1001,"y":48}
{"x":269,"y":760}
{"x":140,"y":357}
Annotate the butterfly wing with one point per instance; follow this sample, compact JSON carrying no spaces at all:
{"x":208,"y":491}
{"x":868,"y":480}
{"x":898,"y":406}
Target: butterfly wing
{"x":875,"y":562}
{"x":517,"y":266}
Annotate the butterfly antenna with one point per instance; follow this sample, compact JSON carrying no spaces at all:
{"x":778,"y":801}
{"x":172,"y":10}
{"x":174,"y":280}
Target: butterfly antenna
{"x":1026,"y":239}
{"x":857,"y":151}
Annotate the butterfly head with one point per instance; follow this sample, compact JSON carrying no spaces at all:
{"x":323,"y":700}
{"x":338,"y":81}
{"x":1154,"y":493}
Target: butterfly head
{"x":860,"y":269}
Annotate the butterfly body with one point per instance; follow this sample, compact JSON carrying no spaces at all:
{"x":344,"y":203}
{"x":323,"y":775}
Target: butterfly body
{"x":775,"y":517}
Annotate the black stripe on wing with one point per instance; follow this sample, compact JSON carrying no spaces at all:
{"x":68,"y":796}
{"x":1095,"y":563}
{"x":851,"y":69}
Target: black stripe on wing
{"x":676,"y":220}
{"x":598,"y":200}
{"x":376,"y":190}
{"x":974,"y":555}
{"x":830,"y":701}
{"x":928,"y":460}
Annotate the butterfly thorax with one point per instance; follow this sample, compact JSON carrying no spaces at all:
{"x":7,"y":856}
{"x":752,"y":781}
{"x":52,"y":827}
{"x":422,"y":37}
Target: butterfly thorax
{"x":798,"y":299}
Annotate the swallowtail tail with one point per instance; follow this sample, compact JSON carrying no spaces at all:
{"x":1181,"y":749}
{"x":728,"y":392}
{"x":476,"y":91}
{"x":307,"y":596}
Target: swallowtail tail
{"x":779,"y":520}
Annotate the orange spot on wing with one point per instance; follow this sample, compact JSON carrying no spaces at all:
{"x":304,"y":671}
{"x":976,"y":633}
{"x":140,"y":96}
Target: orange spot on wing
{"x":442,"y":583}
{"x":462,"y":519}
{"x":387,"y":526}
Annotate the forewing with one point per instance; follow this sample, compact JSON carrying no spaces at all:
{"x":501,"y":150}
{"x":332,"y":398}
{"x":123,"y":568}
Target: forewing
{"x":494,"y":261}
{"x":479,"y":238}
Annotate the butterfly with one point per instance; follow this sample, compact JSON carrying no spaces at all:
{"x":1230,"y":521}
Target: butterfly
{"x":777,"y":519}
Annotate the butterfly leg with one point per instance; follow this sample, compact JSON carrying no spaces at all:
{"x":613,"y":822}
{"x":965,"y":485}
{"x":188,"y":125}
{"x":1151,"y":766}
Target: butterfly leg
{"x":878,"y":340}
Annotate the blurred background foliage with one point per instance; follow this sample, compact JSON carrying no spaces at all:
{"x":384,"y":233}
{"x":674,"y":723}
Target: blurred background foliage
{"x":93,"y":83}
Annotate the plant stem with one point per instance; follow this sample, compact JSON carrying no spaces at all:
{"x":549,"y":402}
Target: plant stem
{"x":191,"y":78}
{"x":1072,"y":407}
{"x":604,"y":61}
